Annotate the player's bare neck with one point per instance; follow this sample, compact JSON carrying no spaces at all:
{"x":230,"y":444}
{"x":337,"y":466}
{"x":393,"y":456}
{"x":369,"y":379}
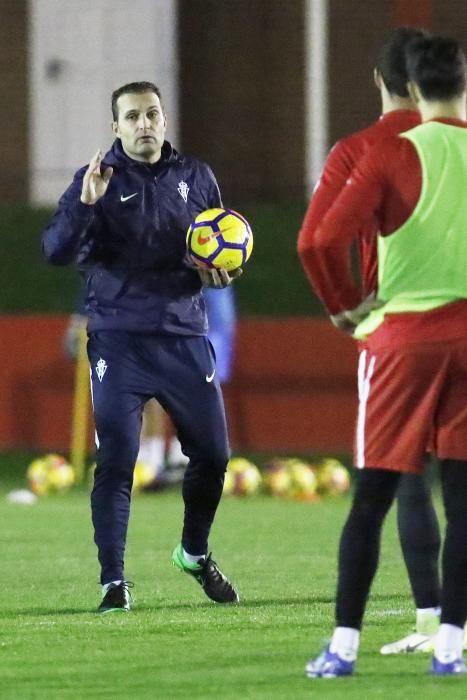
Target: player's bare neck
{"x":394,"y":104}
{"x":452,"y":109}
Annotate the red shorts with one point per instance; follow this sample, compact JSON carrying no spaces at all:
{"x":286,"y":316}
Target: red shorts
{"x":411,"y":399}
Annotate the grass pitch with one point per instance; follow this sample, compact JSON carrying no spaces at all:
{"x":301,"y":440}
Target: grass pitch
{"x":176,"y":643}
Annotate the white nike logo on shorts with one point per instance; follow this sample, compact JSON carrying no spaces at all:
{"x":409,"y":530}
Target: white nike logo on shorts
{"x":124,"y":199}
{"x":210,"y":377}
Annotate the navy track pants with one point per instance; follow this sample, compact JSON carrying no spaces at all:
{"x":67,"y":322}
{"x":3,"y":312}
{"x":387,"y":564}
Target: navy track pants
{"x":128,"y":369}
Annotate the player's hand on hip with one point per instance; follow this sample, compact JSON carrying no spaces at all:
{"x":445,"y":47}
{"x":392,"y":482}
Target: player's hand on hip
{"x":347,"y":321}
{"x":95,"y":182}
{"x":341,"y":322}
{"x":369,"y":303}
{"x":218,"y":278}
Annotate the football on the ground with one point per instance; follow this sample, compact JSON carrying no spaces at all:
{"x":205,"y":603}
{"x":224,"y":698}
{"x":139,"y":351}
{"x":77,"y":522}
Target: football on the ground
{"x":143,"y":475}
{"x":49,"y":474}
{"x":333,"y":477}
{"x":219,"y":238}
{"x":242,"y":477}
{"x":277,"y":477}
{"x":303,"y":482}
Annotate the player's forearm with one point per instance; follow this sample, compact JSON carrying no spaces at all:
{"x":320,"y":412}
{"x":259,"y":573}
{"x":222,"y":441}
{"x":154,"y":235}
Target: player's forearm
{"x":321,"y":202}
{"x":61,"y":239}
{"x":329,"y":273}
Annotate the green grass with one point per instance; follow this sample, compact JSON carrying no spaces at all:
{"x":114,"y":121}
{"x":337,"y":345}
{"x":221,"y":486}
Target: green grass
{"x":176,"y":643}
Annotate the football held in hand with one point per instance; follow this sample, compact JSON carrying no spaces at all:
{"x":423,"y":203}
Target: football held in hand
{"x":220,"y":238}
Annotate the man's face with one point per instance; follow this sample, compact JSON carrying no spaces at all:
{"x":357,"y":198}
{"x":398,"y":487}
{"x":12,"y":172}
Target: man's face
{"x":141,"y":126}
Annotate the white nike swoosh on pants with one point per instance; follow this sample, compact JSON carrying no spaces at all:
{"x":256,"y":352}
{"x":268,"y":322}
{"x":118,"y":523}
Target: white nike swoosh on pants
{"x":210,"y":377}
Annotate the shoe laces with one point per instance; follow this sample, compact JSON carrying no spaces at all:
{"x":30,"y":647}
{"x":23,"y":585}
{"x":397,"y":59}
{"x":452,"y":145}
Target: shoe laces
{"x":210,"y":566}
{"x":125,"y":585}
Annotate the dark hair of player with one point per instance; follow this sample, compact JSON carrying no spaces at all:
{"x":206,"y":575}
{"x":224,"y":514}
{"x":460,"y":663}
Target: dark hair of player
{"x":438,"y":66}
{"x":132,"y":89}
{"x":391,"y":64}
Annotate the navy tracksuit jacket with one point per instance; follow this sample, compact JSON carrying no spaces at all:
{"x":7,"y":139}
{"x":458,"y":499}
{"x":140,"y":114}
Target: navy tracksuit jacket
{"x":147,"y":333}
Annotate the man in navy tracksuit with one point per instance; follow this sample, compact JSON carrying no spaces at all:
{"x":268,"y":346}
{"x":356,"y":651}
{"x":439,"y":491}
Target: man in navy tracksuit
{"x":123,"y":221}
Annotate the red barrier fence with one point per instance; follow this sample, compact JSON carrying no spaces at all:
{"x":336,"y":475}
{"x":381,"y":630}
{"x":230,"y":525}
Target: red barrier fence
{"x":293,"y":387}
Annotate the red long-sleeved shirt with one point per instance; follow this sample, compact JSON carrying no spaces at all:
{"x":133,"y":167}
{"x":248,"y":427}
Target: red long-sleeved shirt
{"x":380,"y":194}
{"x":338,"y":167}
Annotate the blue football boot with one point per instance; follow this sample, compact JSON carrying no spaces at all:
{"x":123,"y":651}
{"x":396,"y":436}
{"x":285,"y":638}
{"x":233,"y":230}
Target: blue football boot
{"x":329,"y":665}
{"x":452,"y":668}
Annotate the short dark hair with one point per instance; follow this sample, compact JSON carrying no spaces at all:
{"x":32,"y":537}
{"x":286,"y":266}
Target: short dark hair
{"x":132,"y":89}
{"x":391,"y":63}
{"x":438,"y":66}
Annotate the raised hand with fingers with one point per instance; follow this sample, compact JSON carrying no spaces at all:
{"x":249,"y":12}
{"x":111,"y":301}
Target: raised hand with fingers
{"x":95,"y":182}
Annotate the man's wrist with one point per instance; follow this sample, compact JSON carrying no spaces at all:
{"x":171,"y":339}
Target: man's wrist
{"x":343,"y":321}
{"x":82,"y":212}
{"x":338,"y":319}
